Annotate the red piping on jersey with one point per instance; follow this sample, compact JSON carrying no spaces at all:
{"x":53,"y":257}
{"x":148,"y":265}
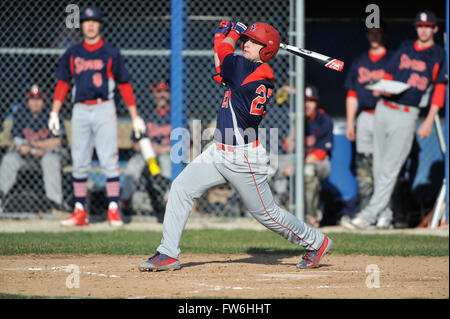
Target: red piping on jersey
{"x":419,"y":47}
{"x":438,"y":95}
{"x":352,"y":93}
{"x":262,"y":72}
{"x":435,"y":72}
{"x":264,"y":206}
{"x":109,"y":73}
{"x":375,"y":57}
{"x":126,"y":90}
{"x":61,"y":91}
{"x":92,"y":47}
{"x":71,"y":65}
{"x":312,"y":116}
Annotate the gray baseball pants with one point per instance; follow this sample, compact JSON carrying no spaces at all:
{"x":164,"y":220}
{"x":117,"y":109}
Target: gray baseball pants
{"x":245,"y":169}
{"x":393,"y":138}
{"x":51,"y":170}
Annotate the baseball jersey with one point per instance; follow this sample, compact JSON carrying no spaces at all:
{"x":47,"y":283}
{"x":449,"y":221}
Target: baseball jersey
{"x":30,"y":128}
{"x":250,"y":86}
{"x":319,"y":134}
{"x":421,"y":68}
{"x":364,"y":69}
{"x":95,"y":70}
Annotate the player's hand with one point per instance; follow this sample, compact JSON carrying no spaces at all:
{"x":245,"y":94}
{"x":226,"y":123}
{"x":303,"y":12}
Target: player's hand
{"x":350,"y":132}
{"x":53,"y":123}
{"x":24,"y":149}
{"x":240,"y":28}
{"x":425,"y":129}
{"x":138,"y":127}
{"x":224,"y":27}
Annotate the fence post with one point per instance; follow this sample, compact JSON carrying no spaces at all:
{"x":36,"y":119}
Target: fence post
{"x":176,"y":75}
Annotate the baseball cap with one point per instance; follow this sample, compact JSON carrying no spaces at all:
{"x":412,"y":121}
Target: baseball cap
{"x":91,"y":13}
{"x":34,"y":93}
{"x":311,"y":93}
{"x":425,"y":18}
{"x":160,"y":86}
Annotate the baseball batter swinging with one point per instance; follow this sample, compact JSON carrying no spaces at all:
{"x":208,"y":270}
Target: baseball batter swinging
{"x":236,"y":156}
{"x":96,"y":67}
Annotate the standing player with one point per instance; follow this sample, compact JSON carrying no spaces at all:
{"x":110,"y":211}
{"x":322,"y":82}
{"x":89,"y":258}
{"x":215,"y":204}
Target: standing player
{"x":96,"y":67}
{"x":158,"y":129}
{"x":370,"y":66}
{"x":237,"y":156}
{"x":421,"y":64}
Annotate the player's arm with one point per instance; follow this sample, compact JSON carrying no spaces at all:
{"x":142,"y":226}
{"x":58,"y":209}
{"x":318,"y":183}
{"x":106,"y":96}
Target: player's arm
{"x":351,"y":105}
{"x":437,"y":100}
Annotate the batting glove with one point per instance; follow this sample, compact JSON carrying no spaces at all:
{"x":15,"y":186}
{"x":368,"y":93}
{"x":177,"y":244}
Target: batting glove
{"x":138,"y":127}
{"x":240,"y":28}
{"x":53,"y":123}
{"x":224,"y":27}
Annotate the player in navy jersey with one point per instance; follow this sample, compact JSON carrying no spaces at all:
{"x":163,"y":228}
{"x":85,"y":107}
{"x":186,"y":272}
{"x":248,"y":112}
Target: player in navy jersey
{"x":318,"y":147}
{"x":369,"y":66}
{"x":236,"y":156}
{"x":421,"y":64}
{"x":96,"y":69}
{"x":34,"y":145}
{"x":158,"y":129}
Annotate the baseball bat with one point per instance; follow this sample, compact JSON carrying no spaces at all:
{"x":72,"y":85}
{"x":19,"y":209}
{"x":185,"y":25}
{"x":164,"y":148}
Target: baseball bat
{"x":149,"y":155}
{"x":324,"y":60}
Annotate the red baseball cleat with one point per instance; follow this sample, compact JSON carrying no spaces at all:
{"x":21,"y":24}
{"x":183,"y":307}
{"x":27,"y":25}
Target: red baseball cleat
{"x":78,"y":218}
{"x":114,"y":217}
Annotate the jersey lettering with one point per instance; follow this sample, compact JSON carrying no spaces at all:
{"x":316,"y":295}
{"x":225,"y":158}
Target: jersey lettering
{"x":257,"y":107}
{"x":365,"y":75}
{"x":417,"y":81}
{"x":226,"y":98}
{"x":97,"y":79}
{"x":407,"y":63}
{"x":86,"y":65}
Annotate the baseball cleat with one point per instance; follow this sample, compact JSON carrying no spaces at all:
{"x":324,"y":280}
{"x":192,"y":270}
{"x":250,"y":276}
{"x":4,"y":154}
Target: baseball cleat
{"x":160,"y":262}
{"x":114,"y":218}
{"x":311,"y":258}
{"x":78,"y":218}
{"x":383,"y":223}
{"x":357,"y":223}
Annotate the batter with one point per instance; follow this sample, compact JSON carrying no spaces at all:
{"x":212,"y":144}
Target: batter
{"x":236,"y":156}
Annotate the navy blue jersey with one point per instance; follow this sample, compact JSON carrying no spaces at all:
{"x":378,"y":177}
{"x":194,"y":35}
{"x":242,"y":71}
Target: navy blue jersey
{"x":318,"y":133}
{"x":365,"y":69}
{"x":95,"y":72}
{"x":420,"y":68}
{"x":250,"y":88}
{"x":32,"y":128}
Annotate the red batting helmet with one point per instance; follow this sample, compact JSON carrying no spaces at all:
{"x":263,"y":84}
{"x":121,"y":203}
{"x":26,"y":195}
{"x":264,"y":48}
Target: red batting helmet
{"x":268,"y":36}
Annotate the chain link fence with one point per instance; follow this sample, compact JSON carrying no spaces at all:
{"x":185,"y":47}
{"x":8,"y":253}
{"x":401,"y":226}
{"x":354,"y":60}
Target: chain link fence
{"x":33,"y":36}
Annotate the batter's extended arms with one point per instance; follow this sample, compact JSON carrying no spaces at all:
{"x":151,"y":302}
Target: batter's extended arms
{"x":324,"y":60}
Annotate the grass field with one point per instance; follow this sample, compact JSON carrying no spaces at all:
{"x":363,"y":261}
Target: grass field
{"x":209,"y":241}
